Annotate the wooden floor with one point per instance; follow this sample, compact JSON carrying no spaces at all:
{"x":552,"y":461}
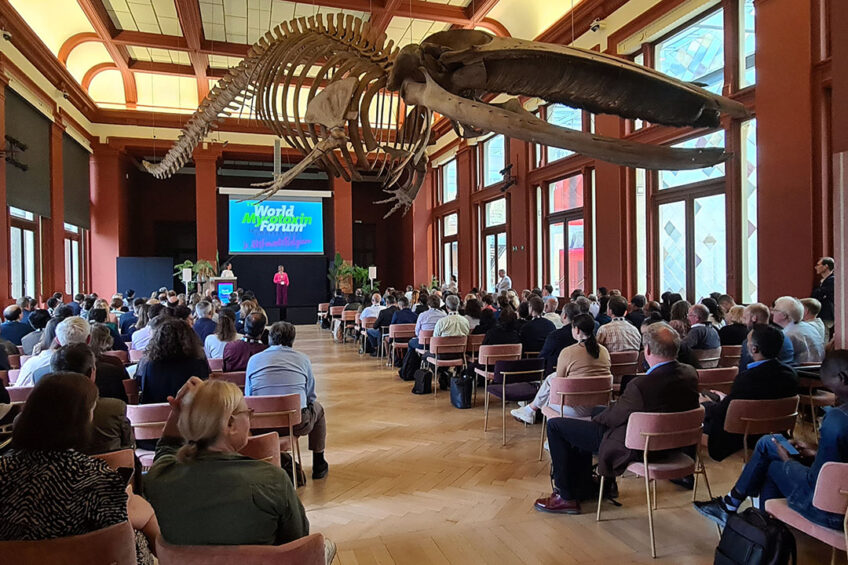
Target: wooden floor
{"x":414,"y":480}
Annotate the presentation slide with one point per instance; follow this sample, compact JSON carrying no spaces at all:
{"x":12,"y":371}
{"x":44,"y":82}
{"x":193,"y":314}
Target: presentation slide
{"x":276,"y":226}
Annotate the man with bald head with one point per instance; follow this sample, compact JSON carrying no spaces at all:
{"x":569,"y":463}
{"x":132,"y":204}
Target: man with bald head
{"x":551,"y":304}
{"x":758,"y":313}
{"x":668,"y":386}
{"x":702,"y":334}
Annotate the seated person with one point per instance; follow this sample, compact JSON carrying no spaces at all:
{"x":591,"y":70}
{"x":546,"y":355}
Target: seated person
{"x":426,"y":321}
{"x":452,"y":324}
{"x":255,"y":503}
{"x":561,"y":338}
{"x":807,"y":343}
{"x":766,"y":378}
{"x":504,"y":331}
{"x":225,"y":332}
{"x":701,"y":334}
{"x":141,"y":336}
{"x":237,"y":353}
{"x":281,"y":370}
{"x":812,"y":308}
{"x":13,"y":328}
{"x":48,"y":487}
{"x":487,"y":321}
{"x":130,"y":319}
{"x":70,"y":330}
{"x":173,"y":355}
{"x":618,"y":334}
{"x":758,"y":313}
{"x":205,"y":325}
{"x":551,"y":305}
{"x":586,"y":358}
{"x":772,"y":473}
{"x":99,"y":316}
{"x":472,"y":310}
{"x":383,"y":321}
{"x":38,"y":320}
{"x":353,"y":304}
{"x":536,"y":330}
{"x":668,"y":386}
{"x":111,"y":373}
{"x":404,"y":314}
{"x":637,"y":310}
{"x":735,"y":332}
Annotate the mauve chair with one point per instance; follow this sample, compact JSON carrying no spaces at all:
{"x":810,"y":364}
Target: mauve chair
{"x":22,"y":359}
{"x":362,"y":327}
{"x":348,"y":322}
{"x":488,"y":355}
{"x":707,"y":358}
{"x":398,"y":339}
{"x":513,"y":381}
{"x":472,"y":347}
{"x":573,"y":392}
{"x":730,"y":356}
{"x":649,"y":431}
{"x":623,"y":363}
{"x":19,"y":394}
{"x":4,"y":378}
{"x":323,"y":308}
{"x":280,"y":413}
{"x":235,"y":377}
{"x":758,"y":417}
{"x":307,"y":550}
{"x":117,"y":459}
{"x":136,"y":355}
{"x":114,"y":545}
{"x":216,"y":364}
{"x":424,"y":337}
{"x":814,"y":396}
{"x":13,"y":375}
{"x":132,"y":390}
{"x":831,"y":495}
{"x":148,"y":422}
{"x":264,"y":447}
{"x":718,"y":378}
{"x":447,"y":345}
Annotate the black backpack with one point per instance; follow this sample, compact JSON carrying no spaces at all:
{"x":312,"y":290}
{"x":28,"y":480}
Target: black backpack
{"x":423,"y":382}
{"x":461,"y":389}
{"x":755,"y":538}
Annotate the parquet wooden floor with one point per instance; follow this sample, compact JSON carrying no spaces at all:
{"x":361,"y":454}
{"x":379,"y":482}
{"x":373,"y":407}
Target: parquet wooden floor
{"x":415,"y":481}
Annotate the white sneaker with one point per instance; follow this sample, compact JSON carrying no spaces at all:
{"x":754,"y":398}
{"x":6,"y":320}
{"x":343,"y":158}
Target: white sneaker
{"x":547,"y":447}
{"x":525,"y":414}
{"x":522,"y":403}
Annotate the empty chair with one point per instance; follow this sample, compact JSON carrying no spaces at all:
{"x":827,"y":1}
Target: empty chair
{"x":453,"y":347}
{"x":15,"y":361}
{"x":512,"y":381}
{"x":264,"y":447}
{"x":307,"y":550}
{"x":488,"y":355}
{"x":707,"y":358}
{"x":19,"y":393}
{"x":136,"y":355}
{"x":398,"y":340}
{"x":730,"y":356}
{"x":831,"y":495}
{"x":719,"y":378}
{"x":148,"y":422}
{"x":280,"y":413}
{"x":114,"y":545}
{"x":235,"y":377}
{"x":574,"y":392}
{"x":216,"y":364}
{"x":122,"y":356}
{"x":623,"y":363}
{"x":758,"y":417}
{"x":132,"y":390}
{"x":323,"y":308}
{"x":647,"y":432}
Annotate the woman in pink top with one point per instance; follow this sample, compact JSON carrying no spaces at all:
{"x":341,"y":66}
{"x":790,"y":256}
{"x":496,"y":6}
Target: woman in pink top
{"x":281,"y":280}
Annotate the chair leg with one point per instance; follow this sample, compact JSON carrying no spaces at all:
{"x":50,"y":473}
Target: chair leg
{"x":695,"y":486}
{"x":503,"y":418}
{"x":544,"y":430}
{"x":654,"y":493}
{"x":486,"y":410}
{"x":813,"y":414}
{"x":650,"y":514}
{"x":600,"y":500}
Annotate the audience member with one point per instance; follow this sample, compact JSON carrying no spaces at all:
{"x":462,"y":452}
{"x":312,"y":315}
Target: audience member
{"x":637,"y":312}
{"x":374,"y":310}
{"x":679,"y":314}
{"x":551,"y":305}
{"x":38,"y":321}
{"x":823,"y":291}
{"x":110,"y":373}
{"x":404,"y":315}
{"x":205,"y":325}
{"x":130,"y":319}
{"x":99,"y":316}
{"x":451,"y":324}
{"x":76,"y":304}
{"x":561,"y":338}
{"x":716,"y":317}
{"x":381,"y":324}
{"x":701,"y":334}
{"x":504,"y":330}
{"x":238,"y":352}
{"x":735,"y":332}
{"x":13,"y":329}
{"x":603,"y":316}
{"x":758,"y":313}
{"x":487,"y":322}
{"x":225,"y":332}
{"x":619,"y":334}
{"x":173,"y":355}
{"x":537,"y":329}
{"x":141,"y":336}
{"x":726,"y":302}
{"x":807,"y":344}
{"x":812,"y":308}
{"x":473,"y":307}
{"x":70,"y":330}
{"x":281,"y":370}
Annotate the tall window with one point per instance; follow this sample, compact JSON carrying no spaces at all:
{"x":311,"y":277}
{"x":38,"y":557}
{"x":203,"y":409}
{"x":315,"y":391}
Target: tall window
{"x":749,"y":211}
{"x":494,"y":160}
{"x":494,"y":244}
{"x":696,"y":53}
{"x":562,"y":116}
{"x":641,"y":232}
{"x":449,"y":247}
{"x":566,"y":259}
{"x":747,"y":71}
{"x":23,"y":253}
{"x":449,"y":182}
{"x":74,"y":259}
{"x":639,"y":59}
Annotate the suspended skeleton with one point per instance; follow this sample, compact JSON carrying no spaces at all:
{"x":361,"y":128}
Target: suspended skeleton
{"x":450,"y":72}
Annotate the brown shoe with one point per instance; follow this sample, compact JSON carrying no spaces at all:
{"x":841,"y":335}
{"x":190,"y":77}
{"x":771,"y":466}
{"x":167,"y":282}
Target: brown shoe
{"x":557,"y":505}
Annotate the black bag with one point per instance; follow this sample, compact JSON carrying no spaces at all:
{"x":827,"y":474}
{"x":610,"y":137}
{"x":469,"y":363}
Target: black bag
{"x":286,"y":464}
{"x":423,"y":382}
{"x":411,"y":362}
{"x":755,"y":538}
{"x":460,"y":392}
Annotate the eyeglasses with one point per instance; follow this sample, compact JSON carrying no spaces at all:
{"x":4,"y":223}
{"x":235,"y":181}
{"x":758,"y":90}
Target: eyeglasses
{"x":248,"y":411}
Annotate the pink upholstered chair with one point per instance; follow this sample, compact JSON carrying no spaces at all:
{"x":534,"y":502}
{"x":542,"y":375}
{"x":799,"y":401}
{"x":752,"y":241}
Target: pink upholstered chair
{"x":649,"y":432}
{"x":116,"y":459}
{"x":148,"y":422}
{"x":19,"y":393}
{"x":280,"y":413}
{"x":756,"y":417}
{"x":132,"y":390}
{"x":216,"y":365}
{"x":323,"y":308}
{"x":308,"y":550}
{"x":22,"y":359}
{"x":623,"y":363}
{"x":424,"y":337}
{"x":472,"y":347}
{"x":13,"y":375}
{"x":4,"y":378}
{"x":114,"y":545}
{"x":707,"y":358}
{"x":398,"y":340}
{"x":235,"y":377}
{"x":136,"y":355}
{"x":448,"y":345}
{"x":488,"y":355}
{"x":15,"y":361}
{"x":831,"y":495}
{"x":264,"y":447}
{"x":348,"y":322}
{"x":361,"y":333}
{"x":512,"y":381}
{"x":574,"y":392}
{"x":335,"y":314}
{"x":719,"y":378}
{"x":122,"y":356}
{"x":730,"y":356}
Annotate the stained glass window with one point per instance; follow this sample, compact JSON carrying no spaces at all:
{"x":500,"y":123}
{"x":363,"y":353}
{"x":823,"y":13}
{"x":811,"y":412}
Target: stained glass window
{"x":671,"y":179}
{"x":449,"y":182}
{"x":749,"y":211}
{"x":565,"y":194}
{"x":493,"y":160}
{"x":672,"y":232}
{"x":748,"y":73}
{"x":710,"y":246}
{"x":696,"y":54}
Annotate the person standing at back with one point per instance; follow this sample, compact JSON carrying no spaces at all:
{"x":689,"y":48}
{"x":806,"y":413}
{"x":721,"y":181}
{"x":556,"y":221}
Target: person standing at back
{"x":824,"y":289}
{"x":504,"y":282}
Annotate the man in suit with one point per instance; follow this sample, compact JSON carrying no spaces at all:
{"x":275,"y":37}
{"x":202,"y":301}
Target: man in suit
{"x":765,"y":378}
{"x":384,"y":319}
{"x":538,"y":328}
{"x":13,"y":329}
{"x":668,"y":386}
{"x":823,"y":292}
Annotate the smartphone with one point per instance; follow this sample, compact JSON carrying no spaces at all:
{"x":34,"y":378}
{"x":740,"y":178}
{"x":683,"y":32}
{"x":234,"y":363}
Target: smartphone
{"x":786,"y":445}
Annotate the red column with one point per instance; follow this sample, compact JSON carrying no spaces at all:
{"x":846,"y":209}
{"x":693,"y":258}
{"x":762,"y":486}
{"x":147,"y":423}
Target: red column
{"x":612,"y":216}
{"x":839,"y":56}
{"x":206,"y":202}
{"x":107,"y":185}
{"x":521,"y":211}
{"x":53,"y":276}
{"x":467,"y":243}
{"x":785,"y":161}
{"x":5,"y":269}
{"x":343,"y":218}
{"x":422,"y":233}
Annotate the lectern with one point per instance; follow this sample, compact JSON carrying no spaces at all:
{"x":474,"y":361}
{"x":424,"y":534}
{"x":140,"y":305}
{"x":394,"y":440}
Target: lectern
{"x":224,"y":286}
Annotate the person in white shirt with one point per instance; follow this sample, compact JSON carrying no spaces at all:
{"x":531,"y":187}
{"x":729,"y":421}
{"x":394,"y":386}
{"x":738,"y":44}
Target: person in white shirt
{"x":69,"y":331}
{"x":807,"y":343}
{"x":225,"y":332}
{"x":141,"y":337}
{"x":227,"y":273}
{"x":374,"y":310}
{"x":451,"y":286}
{"x":812,"y":307}
{"x":505,"y":283}
{"x":551,"y":304}
{"x":453,"y":324}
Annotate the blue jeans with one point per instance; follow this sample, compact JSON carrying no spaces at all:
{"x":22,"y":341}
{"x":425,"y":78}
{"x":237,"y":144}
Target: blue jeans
{"x":767,"y":476}
{"x":371,"y":340}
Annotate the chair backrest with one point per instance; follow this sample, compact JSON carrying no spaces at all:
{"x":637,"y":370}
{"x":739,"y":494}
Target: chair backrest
{"x":264,"y":447}
{"x":23,"y":359}
{"x":519,"y":371}
{"x":115,"y":459}
{"x":357,"y":318}
{"x":400,"y":331}
{"x":623,"y":363}
{"x":336,"y":311}
{"x":271,"y":412}
{"x":831,"y":494}
{"x":20,"y":349}
{"x":491,"y":354}
{"x":761,"y":416}
{"x":580,"y":391}
{"x":235,"y":377}
{"x":349,"y":315}
{"x":720,"y":378}
{"x":136,"y":355}
{"x":114,"y":545}
{"x":19,"y":393}
{"x":148,"y":420}
{"x":424,"y":337}
{"x":730,"y":355}
{"x":15,"y":361}
{"x":132,"y":390}
{"x":307,"y":550}
{"x":323,"y":306}
{"x":122,"y":356}
{"x":216,"y":364}
{"x":447,"y":344}
{"x":13,"y":375}
{"x":475,"y":341}
{"x":4,"y":378}
{"x":368,"y":322}
{"x":707,"y":358}
{"x":667,"y":430}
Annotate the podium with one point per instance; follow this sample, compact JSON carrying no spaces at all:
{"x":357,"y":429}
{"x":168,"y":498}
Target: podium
{"x":224,"y":286}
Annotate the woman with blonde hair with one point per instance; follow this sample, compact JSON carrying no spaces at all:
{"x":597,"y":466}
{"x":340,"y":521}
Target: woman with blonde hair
{"x":197,"y":461}
{"x":735,"y":332}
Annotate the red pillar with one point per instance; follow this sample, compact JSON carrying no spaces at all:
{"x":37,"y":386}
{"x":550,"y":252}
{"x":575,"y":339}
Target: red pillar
{"x":422,"y":233}
{"x":785,"y":161}
{"x":522,"y":210}
{"x":839,"y":56}
{"x":612,"y":216}
{"x":343,"y":218}
{"x":206,"y":202}
{"x":468,"y":230}
{"x":107,"y":186}
{"x":5,"y":269}
{"x":53,"y":276}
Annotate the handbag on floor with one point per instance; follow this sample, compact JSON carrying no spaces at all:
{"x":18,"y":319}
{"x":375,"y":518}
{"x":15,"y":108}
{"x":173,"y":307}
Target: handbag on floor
{"x":753,"y":537}
{"x":461,"y":388}
{"x":423,"y":382}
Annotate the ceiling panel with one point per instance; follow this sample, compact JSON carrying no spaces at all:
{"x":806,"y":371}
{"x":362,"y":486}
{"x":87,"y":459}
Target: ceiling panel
{"x":53,"y":31}
{"x":86,"y":56}
{"x":149,"y":16}
{"x":159,"y":55}
{"x":221,"y":62}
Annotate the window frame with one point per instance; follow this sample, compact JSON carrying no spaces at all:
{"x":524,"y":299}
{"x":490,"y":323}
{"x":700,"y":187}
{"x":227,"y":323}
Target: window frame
{"x":441,"y":182}
{"x":80,"y":237}
{"x":482,"y":159}
{"x":487,"y":230}
{"x":34,"y":226}
{"x":539,"y":153}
